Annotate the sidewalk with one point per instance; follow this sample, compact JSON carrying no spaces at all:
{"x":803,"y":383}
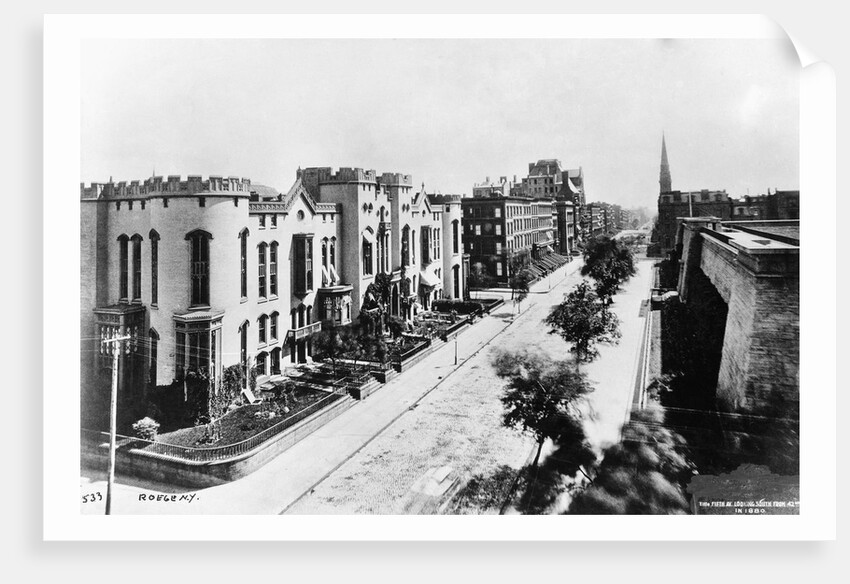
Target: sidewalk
{"x":281,"y":482}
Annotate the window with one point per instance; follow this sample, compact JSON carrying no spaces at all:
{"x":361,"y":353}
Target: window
{"x":273,"y":326}
{"x":243,"y":263}
{"x":273,"y":268}
{"x":262,"y":221}
{"x":498,"y":268}
{"x":123,"y":271}
{"x":275,"y":361}
{"x":261,"y":270}
{"x":165,"y":202}
{"x":243,"y":348}
{"x":153,"y":340}
{"x":367,"y":257}
{"x":405,"y":246}
{"x":455,"y":237}
{"x":333,"y":252}
{"x":261,"y":337}
{"x":498,"y":211}
{"x":477,"y":230}
{"x":137,"y":267}
{"x":302,"y":265}
{"x":261,"y":363}
{"x":180,"y":354}
{"x":274,"y":221}
{"x":154,"y":237}
{"x":202,"y":202}
{"x":456,"y":281}
{"x":498,"y":229}
{"x":200,"y":274}
{"x":498,"y":247}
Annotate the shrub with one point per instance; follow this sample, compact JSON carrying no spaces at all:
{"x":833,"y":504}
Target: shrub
{"x":457,"y":306}
{"x":146,"y":429}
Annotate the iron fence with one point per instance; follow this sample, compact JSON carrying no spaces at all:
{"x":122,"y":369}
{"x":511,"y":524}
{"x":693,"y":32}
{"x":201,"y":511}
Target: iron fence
{"x":211,"y":453}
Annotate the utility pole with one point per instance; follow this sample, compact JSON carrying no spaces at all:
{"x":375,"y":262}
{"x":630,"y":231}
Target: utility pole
{"x":113,"y":409}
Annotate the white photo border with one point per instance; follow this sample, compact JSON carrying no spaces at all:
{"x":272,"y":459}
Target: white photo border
{"x":62,"y":519}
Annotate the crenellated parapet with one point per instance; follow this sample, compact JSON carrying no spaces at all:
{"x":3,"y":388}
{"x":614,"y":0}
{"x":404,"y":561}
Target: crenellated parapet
{"x":170,"y":185}
{"x":325,"y":175}
{"x":445,"y":199}
{"x":396,"y":179}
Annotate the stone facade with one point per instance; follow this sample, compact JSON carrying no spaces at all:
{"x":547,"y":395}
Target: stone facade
{"x":390,"y":229}
{"x":207,"y":273}
{"x":757,"y":274}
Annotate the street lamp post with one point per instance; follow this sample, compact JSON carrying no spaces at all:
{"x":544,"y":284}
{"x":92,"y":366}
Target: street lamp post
{"x":113,"y":410}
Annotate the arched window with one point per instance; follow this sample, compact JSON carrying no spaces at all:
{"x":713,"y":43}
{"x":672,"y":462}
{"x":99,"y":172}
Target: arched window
{"x":293,"y":315}
{"x":261,"y":330}
{"x":405,"y":246}
{"x":154,"y":237}
{"x":456,"y":281}
{"x":243,"y":348}
{"x":301,"y":313}
{"x":137,"y":267}
{"x":123,"y":268}
{"x":261,"y":363}
{"x":261,"y":270}
{"x":243,"y":262}
{"x":153,"y":340}
{"x":200,"y":271}
{"x":309,"y":314}
{"x":273,"y":268}
{"x":333,"y":252}
{"x":368,"y":268}
{"x":455,"y":237}
{"x":302,"y":264}
{"x":275,"y":361}
{"x":273,"y":326}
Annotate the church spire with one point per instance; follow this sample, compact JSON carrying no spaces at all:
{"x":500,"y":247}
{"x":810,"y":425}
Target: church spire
{"x":665,"y":182}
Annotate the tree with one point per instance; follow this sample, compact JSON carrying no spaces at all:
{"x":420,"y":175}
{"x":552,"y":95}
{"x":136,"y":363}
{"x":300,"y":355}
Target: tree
{"x":478,"y":276}
{"x":582,"y":320}
{"x":542,"y":396}
{"x":519,"y":279}
{"x":645,"y":473}
{"x":332,"y":342}
{"x":610,"y":263}
{"x":396,"y":326}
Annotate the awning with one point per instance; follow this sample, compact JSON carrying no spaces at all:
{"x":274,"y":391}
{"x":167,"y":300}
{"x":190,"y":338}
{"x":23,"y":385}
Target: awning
{"x":428,"y":278}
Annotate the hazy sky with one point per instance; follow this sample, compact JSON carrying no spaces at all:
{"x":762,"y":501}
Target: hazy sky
{"x":449,"y":112}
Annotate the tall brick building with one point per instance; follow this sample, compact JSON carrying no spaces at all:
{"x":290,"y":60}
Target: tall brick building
{"x":498,"y":228}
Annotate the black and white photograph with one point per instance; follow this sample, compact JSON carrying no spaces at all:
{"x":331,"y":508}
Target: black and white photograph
{"x":397,"y":275}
